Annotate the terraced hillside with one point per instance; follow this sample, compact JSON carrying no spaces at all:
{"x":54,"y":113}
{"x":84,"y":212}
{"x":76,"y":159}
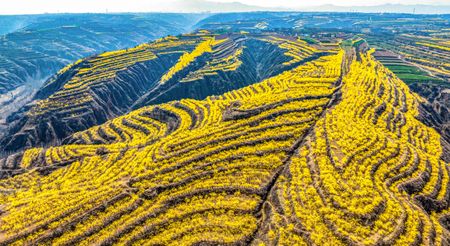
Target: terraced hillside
{"x":429,"y":52}
{"x":235,"y":144}
{"x":197,"y":65}
{"x":415,"y":47}
{"x":422,"y":63}
{"x":34,"y":47}
{"x":49,"y":42}
{"x":329,"y":152}
{"x":369,"y":173}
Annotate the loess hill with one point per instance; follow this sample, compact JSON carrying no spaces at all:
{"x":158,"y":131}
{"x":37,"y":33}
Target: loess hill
{"x":327,"y":149}
{"x":424,"y":66}
{"x":34,"y":47}
{"x":96,"y":89}
{"x":414,"y":47}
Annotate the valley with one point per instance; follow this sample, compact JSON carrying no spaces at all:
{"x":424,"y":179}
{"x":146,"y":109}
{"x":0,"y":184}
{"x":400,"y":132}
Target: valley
{"x":38,"y":46}
{"x":195,"y":66}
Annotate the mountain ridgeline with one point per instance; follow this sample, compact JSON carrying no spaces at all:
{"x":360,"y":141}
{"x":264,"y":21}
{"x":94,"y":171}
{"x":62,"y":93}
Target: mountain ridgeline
{"x":99,"y":88}
{"x":34,"y":47}
{"x":287,"y":143}
{"x":46,"y":43}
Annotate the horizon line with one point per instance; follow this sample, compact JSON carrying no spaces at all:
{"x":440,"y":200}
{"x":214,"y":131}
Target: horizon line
{"x":258,"y":9}
{"x":223,"y":12}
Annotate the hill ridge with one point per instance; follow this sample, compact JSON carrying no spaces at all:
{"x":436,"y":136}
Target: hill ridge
{"x":231,"y":121}
{"x":330,"y":151}
{"x":96,"y":89}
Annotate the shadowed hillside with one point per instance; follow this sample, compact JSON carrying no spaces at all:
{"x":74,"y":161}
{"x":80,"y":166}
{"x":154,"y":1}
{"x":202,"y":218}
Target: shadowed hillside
{"x":35,"y":47}
{"x":100,"y":88}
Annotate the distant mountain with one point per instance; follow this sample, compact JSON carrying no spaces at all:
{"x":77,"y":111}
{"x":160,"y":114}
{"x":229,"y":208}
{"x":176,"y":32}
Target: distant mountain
{"x":216,"y":7}
{"x":386,"y":8}
{"x":8,"y":24}
{"x":11,"y":23}
{"x":221,"y":7}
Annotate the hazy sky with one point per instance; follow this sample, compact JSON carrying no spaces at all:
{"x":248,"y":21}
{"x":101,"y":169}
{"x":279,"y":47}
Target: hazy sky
{"x":77,"y":6}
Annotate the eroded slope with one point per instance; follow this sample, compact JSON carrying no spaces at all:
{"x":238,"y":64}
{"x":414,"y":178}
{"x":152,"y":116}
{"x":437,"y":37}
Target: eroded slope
{"x":188,"y":171}
{"x":100,"y":88}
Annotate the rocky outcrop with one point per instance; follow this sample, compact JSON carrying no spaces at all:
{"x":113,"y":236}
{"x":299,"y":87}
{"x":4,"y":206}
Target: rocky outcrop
{"x":110,"y":100}
{"x":260,"y":60}
{"x":436,"y":111}
{"x":103,"y":87}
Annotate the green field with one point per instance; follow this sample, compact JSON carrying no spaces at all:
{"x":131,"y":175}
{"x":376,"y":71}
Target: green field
{"x":410,"y":74}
